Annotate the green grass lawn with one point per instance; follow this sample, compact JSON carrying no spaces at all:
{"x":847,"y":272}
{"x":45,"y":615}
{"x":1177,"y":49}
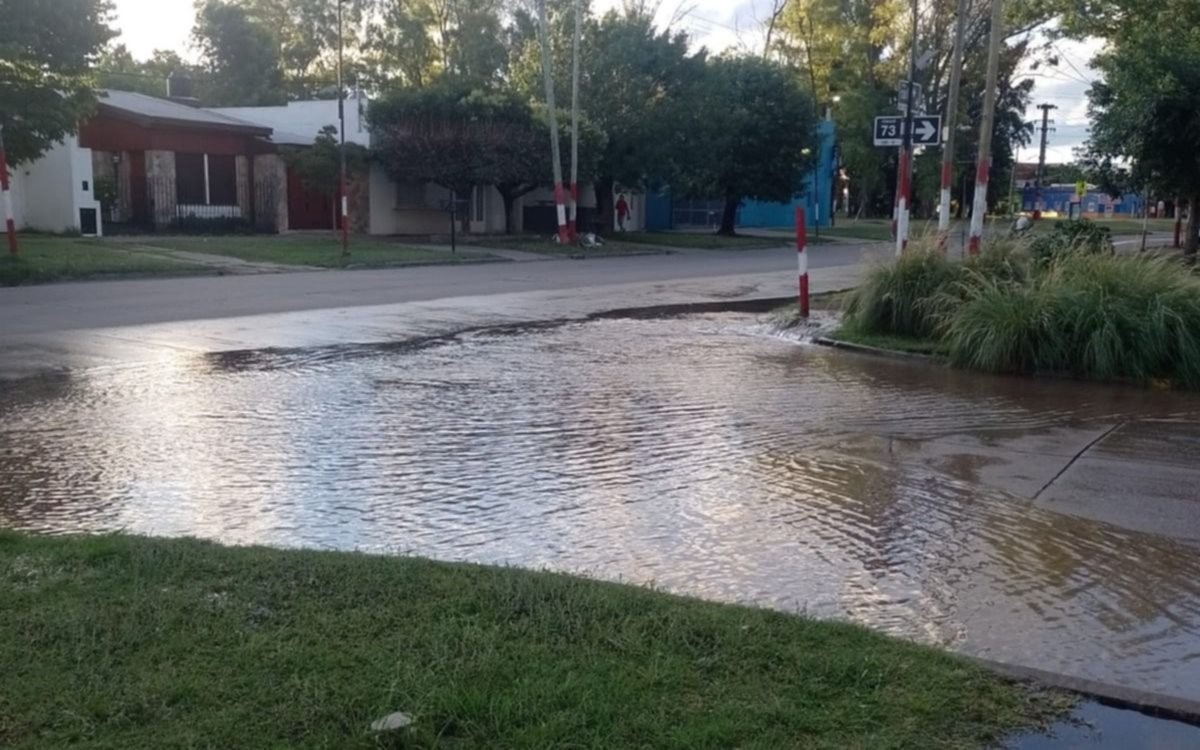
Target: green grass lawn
{"x":859,"y":229}
{"x":317,"y":250}
{"x":44,"y":259}
{"x":122,"y":642}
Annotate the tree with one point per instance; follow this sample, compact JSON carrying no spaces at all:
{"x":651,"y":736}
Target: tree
{"x":45,"y":53}
{"x":240,"y":57}
{"x":419,"y":40}
{"x":644,"y":89}
{"x":458,"y":137}
{"x":117,"y":69}
{"x":319,"y":165}
{"x":1146,"y":110}
{"x":758,"y":136}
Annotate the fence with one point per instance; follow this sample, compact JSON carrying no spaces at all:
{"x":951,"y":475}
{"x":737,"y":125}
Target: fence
{"x":158,"y":204}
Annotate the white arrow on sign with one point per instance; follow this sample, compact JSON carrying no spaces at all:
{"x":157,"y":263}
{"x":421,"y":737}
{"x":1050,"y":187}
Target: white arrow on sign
{"x":924,"y":130}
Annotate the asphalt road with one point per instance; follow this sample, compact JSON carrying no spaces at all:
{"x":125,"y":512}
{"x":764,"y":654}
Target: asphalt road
{"x":103,"y":304}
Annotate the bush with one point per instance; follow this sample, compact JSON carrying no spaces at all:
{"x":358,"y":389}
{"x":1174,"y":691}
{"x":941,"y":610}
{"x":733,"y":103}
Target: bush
{"x":898,"y":298}
{"x":1096,"y":316}
{"x":1071,"y":237}
{"x":1002,"y":327}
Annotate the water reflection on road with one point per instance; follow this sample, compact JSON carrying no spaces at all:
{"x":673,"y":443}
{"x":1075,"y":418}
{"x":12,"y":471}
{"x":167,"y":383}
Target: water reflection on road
{"x":698,"y":453}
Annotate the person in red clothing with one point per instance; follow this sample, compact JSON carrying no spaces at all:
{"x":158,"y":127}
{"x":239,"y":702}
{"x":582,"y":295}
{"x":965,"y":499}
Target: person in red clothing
{"x":622,"y":211}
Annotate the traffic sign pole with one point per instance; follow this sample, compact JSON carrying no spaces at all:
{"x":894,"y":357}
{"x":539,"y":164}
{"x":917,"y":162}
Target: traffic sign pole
{"x":904,"y":179}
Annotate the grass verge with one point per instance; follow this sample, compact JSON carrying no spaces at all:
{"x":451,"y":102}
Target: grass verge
{"x":316,"y":250}
{"x":894,"y":342}
{"x":142,"y":643}
{"x":44,"y":259}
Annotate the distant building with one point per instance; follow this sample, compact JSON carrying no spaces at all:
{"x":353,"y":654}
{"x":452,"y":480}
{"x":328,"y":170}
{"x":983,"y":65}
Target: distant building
{"x":1093,"y":205}
{"x":663,"y":211}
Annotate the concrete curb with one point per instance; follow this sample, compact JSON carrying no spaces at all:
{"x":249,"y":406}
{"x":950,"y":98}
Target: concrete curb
{"x":1117,"y":696}
{"x":874,"y":350}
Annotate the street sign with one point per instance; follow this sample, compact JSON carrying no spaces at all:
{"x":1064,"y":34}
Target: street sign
{"x":889,"y":131}
{"x":902,"y":97}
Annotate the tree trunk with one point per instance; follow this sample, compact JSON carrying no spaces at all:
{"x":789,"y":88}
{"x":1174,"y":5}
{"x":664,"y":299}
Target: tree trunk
{"x":604,"y":206}
{"x":1190,"y":242}
{"x":510,"y":202}
{"x":729,"y":216}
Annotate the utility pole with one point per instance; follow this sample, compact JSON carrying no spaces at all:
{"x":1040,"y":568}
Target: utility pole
{"x":556,"y":159}
{"x":343,"y":210}
{"x":960,"y":31}
{"x":904,"y":175}
{"x":10,"y":225}
{"x":1041,"y":170}
{"x":984,"y":164}
{"x":572,"y":221}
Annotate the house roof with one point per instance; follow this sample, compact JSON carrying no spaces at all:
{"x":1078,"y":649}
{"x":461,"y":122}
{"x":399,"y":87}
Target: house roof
{"x":149,"y":110}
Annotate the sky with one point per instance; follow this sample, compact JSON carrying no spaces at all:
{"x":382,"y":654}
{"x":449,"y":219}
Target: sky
{"x":147,"y":25}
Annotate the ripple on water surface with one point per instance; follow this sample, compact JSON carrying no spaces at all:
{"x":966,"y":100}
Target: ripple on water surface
{"x":682,"y":451}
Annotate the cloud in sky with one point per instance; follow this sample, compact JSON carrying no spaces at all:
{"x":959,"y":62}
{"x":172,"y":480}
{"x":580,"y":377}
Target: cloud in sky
{"x":147,"y":25}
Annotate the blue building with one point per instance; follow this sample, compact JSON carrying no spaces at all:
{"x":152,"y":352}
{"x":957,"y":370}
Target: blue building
{"x":1095,"y":204}
{"x":664,"y":212}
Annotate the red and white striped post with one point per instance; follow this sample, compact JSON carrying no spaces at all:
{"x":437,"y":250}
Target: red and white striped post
{"x":573,"y":213}
{"x":560,"y":205}
{"x":10,"y":225}
{"x":802,"y":259}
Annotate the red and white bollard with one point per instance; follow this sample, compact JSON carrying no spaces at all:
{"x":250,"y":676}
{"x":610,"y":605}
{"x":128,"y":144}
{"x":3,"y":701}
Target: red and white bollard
{"x":979,"y":207}
{"x":10,"y":225}
{"x":802,"y":259}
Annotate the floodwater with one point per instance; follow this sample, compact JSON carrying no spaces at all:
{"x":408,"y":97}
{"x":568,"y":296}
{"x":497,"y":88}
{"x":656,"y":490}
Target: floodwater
{"x":700,"y":454}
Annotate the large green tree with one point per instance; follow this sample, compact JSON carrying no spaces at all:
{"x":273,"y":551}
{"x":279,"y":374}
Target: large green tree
{"x":458,"y":137}
{"x":1146,"y":108}
{"x":756,"y":136}
{"x":117,"y":68}
{"x":46,"y":50}
{"x":415,"y":41}
{"x":240,"y":57}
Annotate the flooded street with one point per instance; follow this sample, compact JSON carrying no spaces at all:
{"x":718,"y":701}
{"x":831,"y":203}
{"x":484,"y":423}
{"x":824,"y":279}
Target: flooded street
{"x":701,"y":454}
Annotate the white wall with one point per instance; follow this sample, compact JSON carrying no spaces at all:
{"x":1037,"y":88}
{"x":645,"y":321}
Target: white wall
{"x":307,"y":118}
{"x":50,"y":191}
{"x":422,"y":209}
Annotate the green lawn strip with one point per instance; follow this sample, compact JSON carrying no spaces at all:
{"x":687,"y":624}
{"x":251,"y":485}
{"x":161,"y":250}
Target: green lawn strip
{"x":43,"y":259}
{"x":321,"y":251}
{"x":142,"y":643}
{"x":891,"y":342}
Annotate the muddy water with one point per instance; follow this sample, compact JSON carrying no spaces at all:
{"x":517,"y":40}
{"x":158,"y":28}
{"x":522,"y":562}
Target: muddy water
{"x":699,"y":453}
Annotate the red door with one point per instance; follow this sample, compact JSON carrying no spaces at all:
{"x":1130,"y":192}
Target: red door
{"x":307,"y":208}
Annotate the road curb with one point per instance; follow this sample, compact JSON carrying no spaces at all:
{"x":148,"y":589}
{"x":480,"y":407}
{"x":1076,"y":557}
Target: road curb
{"x":1117,"y":696}
{"x":876,"y":351}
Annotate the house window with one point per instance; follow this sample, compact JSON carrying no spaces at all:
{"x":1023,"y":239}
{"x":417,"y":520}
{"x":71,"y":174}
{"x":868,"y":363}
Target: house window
{"x":410,"y":195}
{"x":189,"y":180}
{"x":205,"y":180}
{"x":222,"y":180}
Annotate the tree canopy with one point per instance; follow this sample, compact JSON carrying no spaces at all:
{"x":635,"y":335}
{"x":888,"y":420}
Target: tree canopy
{"x":756,"y":135}
{"x":46,"y":52}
